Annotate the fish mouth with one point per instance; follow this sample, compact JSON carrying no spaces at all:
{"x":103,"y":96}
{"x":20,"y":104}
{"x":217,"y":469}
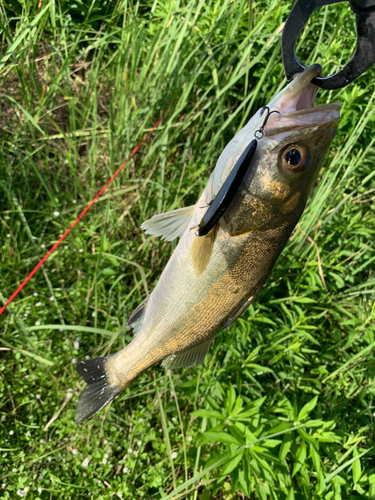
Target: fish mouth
{"x":296,"y":106}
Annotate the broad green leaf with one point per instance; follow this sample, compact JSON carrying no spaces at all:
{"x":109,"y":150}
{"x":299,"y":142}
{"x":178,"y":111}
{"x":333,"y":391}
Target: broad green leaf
{"x":315,"y":458}
{"x":300,"y":459}
{"x":253,"y":355}
{"x":371,"y":491}
{"x":244,"y":482}
{"x":285,"y":446}
{"x":262,"y":462}
{"x":108,"y":271}
{"x":232,"y":464}
{"x":271,"y":443}
{"x":321,"y":482}
{"x":230,"y":400}
{"x":112,"y":259}
{"x":219,"y":437}
{"x":327,"y":437}
{"x":258,"y":368}
{"x":237,"y":407}
{"x":308,"y":408}
{"x":290,"y":494}
{"x":356,"y":467}
{"x":208,"y":414}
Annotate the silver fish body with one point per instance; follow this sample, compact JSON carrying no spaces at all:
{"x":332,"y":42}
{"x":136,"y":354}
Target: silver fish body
{"x":209,"y":281}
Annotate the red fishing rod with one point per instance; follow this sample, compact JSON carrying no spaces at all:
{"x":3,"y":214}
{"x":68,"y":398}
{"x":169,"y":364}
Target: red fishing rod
{"x":65,"y":234}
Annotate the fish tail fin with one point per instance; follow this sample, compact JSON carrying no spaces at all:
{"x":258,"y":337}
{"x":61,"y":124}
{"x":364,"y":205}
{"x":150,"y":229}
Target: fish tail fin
{"x":98,"y":391}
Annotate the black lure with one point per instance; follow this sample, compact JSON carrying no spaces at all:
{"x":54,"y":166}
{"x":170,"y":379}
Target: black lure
{"x":227,"y":191}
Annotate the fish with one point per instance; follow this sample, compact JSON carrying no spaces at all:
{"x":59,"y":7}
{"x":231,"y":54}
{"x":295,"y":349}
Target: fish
{"x":210,"y":280}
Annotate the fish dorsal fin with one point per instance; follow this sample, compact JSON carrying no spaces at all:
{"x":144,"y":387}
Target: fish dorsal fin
{"x":169,"y":225}
{"x":243,"y":308}
{"x":136,"y":318}
{"x":201,"y":250}
{"x":193,"y":356}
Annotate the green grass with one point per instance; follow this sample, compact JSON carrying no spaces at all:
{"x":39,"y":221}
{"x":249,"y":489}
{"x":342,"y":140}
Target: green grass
{"x":283,"y":406}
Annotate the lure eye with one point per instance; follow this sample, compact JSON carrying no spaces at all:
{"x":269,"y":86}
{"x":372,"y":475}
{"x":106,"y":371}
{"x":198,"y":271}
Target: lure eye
{"x":294,"y":158}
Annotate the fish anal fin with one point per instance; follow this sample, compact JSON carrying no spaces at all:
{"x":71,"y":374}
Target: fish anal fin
{"x":169,"y":225}
{"x":190,"y":357}
{"x":243,"y":308}
{"x":201,"y":250}
{"x":136,"y":318}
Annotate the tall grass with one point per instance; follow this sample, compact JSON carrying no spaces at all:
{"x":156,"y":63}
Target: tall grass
{"x":282,"y":407}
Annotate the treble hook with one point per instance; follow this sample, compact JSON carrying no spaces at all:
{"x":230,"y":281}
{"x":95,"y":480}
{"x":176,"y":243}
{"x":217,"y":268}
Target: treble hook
{"x":258,"y":134}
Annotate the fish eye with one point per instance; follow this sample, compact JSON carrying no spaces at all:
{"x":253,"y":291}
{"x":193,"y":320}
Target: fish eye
{"x":294,"y":158}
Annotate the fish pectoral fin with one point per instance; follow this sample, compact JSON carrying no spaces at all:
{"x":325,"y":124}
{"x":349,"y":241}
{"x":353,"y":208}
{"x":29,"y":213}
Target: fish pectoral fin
{"x":201,"y":250}
{"x":190,"y":357}
{"x":98,"y":391}
{"x":169,"y":225}
{"x":243,"y":308}
{"x":136,"y":318}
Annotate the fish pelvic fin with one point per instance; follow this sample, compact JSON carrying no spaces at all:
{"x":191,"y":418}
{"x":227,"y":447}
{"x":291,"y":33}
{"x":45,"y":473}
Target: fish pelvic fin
{"x":201,"y":251}
{"x":98,"y":392}
{"x":190,"y":357}
{"x":169,"y":225}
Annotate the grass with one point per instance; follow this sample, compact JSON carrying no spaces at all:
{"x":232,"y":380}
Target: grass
{"x":283,"y":405}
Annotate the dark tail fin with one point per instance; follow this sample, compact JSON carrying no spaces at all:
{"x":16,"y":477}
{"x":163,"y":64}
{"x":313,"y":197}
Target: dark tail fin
{"x":98,"y":391}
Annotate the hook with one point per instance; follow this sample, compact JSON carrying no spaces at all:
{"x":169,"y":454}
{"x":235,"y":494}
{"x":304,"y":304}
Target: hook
{"x":258,"y":134}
